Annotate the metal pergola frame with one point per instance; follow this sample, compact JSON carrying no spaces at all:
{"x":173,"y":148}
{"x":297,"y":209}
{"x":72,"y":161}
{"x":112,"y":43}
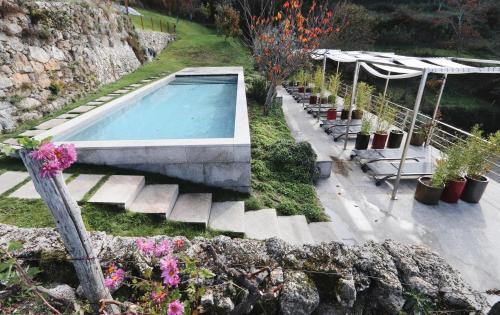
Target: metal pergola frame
{"x":424,"y":73}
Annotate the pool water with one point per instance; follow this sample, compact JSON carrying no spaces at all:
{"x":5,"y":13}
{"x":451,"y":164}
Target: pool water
{"x":194,"y":107}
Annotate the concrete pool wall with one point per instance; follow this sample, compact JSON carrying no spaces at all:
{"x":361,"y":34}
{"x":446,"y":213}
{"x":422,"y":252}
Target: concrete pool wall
{"x":220,"y":162}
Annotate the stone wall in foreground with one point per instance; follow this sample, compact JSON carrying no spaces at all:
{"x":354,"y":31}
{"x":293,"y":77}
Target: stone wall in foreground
{"x":52,"y":52}
{"x":331,"y":278}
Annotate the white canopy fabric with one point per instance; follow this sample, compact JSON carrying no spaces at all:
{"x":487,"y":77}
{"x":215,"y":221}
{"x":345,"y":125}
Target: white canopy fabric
{"x":403,"y":75}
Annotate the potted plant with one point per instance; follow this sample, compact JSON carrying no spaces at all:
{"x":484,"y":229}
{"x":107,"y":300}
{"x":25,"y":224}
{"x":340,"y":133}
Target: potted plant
{"x":333,"y":86}
{"x":418,"y":137}
{"x":344,"y":114}
{"x":430,"y":188}
{"x":363,"y":99}
{"x":395,"y":139}
{"x":456,"y":162}
{"x":363,"y":137}
{"x":385,"y":119}
{"x":479,"y":154}
{"x":317,"y":87}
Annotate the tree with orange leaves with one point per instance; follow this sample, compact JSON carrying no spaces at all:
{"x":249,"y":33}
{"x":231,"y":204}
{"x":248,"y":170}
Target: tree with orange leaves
{"x":282,"y":39}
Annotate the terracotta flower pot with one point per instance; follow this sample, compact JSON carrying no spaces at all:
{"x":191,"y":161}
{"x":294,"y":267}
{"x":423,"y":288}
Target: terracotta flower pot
{"x":395,"y":139}
{"x":427,"y":194}
{"x":474,"y":189}
{"x":417,"y":139}
{"x":357,"y":114}
{"x":344,"y":114}
{"x":379,"y":140}
{"x":362,"y":141}
{"x":300,"y":89}
{"x":313,"y":99}
{"x":453,"y":190}
{"x":331,"y":114}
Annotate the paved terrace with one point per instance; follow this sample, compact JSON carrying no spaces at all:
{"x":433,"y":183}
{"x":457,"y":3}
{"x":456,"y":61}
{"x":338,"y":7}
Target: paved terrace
{"x":467,"y":235}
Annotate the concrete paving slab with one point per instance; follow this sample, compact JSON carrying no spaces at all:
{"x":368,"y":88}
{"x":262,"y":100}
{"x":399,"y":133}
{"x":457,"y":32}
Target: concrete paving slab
{"x":119,"y":190}
{"x":293,"y":229}
{"x":82,"y":184}
{"x":9,"y":180}
{"x":106,"y":98}
{"x":82,"y":109}
{"x":51,"y":124}
{"x":192,"y":208}
{"x":11,"y":141}
{"x":261,"y":224}
{"x":122,"y":91}
{"x":155,"y":199}
{"x":67,"y":116}
{"x":94,"y":103}
{"x":31,"y":133}
{"x":28,"y":191}
{"x":228,"y":216}
{"x":323,"y":232}
{"x":135,"y":85}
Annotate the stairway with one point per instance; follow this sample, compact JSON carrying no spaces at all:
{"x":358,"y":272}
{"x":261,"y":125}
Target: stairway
{"x":132,"y":193}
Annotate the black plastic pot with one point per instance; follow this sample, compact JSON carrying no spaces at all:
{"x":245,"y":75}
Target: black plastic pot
{"x":417,"y":139}
{"x":357,"y":114}
{"x":362,"y":141}
{"x":427,"y":194}
{"x":344,"y":114}
{"x":474,"y":189}
{"x":395,"y":139}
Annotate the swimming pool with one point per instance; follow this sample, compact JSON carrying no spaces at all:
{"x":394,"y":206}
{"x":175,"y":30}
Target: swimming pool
{"x":188,"y":107}
{"x":192,"y":124}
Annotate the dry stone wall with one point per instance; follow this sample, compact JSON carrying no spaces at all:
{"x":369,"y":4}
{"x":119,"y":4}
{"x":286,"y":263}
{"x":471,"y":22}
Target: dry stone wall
{"x":52,"y":52}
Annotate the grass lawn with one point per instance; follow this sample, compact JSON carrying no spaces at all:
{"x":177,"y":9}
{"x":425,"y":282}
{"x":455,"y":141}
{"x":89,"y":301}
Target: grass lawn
{"x":196,"y":45}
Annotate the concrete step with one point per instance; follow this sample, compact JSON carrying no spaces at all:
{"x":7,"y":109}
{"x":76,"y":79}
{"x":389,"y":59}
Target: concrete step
{"x":293,"y":229}
{"x":82,"y":184}
{"x":228,"y":216}
{"x":28,"y":191}
{"x":9,"y":180}
{"x":119,"y":190}
{"x":261,"y":224}
{"x":192,"y":208}
{"x":156,"y":199}
{"x":323,"y":232}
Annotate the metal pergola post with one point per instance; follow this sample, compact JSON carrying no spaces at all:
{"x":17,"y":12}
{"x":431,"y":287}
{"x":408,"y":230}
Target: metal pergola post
{"x":322,"y":88}
{"x":416,"y":108}
{"x":338,"y":65}
{"x":436,"y":110}
{"x":386,"y":85}
{"x":353,"y":97}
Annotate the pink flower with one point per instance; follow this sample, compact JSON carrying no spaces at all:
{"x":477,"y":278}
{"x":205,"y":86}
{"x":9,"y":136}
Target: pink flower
{"x":54,"y":159}
{"x":50,"y":168}
{"x":145,"y":246}
{"x":158,"y":297}
{"x":66,"y":154}
{"x":170,"y":271}
{"x":44,"y":152}
{"x":175,"y":308}
{"x":163,"y":248}
{"x":114,"y":279}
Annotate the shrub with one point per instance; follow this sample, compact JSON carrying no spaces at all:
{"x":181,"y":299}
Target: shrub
{"x":227,"y":21}
{"x":257,"y":89}
{"x":295,"y":160}
{"x":56,"y":87}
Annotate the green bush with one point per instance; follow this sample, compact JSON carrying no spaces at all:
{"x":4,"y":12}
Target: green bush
{"x":257,"y":89}
{"x":56,"y":87}
{"x":295,"y":160}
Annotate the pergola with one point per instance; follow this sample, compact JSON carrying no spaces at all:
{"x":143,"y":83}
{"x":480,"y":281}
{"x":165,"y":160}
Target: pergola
{"x":402,"y":67}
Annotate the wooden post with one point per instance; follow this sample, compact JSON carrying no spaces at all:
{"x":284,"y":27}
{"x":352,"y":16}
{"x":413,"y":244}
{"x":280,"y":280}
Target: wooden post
{"x":126,"y":6}
{"x":161,"y":27}
{"x":142,"y":22}
{"x":69,"y":223}
{"x":152,"y":25}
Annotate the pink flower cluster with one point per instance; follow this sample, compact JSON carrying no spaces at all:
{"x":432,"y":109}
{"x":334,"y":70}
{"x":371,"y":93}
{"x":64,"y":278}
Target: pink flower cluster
{"x":114,"y":278}
{"x":170,"y":271}
{"x":54,"y":158}
{"x":150,"y":248}
{"x":175,"y":308}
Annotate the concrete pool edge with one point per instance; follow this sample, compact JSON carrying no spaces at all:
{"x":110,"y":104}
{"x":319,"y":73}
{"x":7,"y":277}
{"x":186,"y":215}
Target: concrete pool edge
{"x":220,"y":162}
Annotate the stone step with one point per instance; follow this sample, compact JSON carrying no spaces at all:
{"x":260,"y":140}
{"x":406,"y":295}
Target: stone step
{"x":192,"y":208}
{"x":228,"y":216}
{"x":49,"y":124}
{"x":261,"y":224}
{"x":155,"y":199}
{"x":323,"y":232}
{"x":293,"y":229}
{"x":28,"y":191}
{"x":82,"y":184}
{"x":9,"y":180}
{"x":82,"y":109}
{"x":119,"y":190}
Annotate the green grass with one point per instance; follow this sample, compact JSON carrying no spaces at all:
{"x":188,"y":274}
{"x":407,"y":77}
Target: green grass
{"x":196,"y":45}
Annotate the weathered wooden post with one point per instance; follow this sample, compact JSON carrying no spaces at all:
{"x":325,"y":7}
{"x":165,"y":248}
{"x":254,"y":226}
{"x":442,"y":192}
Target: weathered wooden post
{"x":161,"y":27}
{"x":69,"y":223}
{"x":142,"y":22}
{"x":152,"y":24}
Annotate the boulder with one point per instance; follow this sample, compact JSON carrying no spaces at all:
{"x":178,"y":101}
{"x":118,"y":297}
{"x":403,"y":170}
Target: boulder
{"x":38,"y":54}
{"x":5,"y":82}
{"x":29,"y":103}
{"x":299,"y":295}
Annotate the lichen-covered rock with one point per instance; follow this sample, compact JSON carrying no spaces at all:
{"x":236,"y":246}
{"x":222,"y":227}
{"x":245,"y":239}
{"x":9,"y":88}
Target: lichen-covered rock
{"x":79,"y":45}
{"x":330,"y":278}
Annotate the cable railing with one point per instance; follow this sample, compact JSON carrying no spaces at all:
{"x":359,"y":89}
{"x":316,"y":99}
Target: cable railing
{"x":442,"y":134}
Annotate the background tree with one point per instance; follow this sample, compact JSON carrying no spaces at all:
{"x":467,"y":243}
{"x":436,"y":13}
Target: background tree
{"x":227,"y":21}
{"x":282,"y":41}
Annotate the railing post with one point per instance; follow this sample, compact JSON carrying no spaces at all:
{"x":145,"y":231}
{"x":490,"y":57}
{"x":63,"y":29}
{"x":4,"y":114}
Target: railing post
{"x":436,"y":110}
{"x":161,"y":27}
{"x":353,"y":98}
{"x":142,"y":22}
{"x":152,"y":24}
